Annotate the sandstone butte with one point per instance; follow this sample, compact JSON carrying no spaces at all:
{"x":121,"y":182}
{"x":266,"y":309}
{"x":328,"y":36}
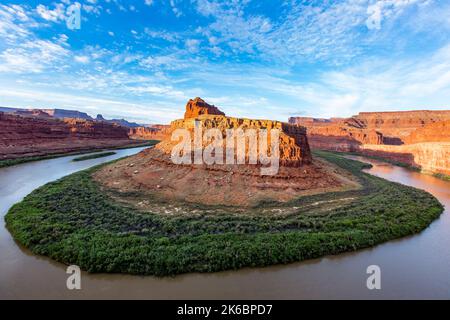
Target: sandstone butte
{"x":152,"y":174}
{"x":420,"y":139}
{"x":31,"y":135}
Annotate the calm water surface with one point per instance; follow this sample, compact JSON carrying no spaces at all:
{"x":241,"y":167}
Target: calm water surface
{"x":413,"y":267}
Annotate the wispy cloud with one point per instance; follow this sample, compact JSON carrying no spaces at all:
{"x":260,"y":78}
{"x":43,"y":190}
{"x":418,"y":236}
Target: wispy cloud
{"x":33,"y":57}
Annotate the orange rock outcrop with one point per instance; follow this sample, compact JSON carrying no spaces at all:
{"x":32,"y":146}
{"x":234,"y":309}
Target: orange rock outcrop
{"x":293,"y":143}
{"x":198,"y":106}
{"x":155,"y":132}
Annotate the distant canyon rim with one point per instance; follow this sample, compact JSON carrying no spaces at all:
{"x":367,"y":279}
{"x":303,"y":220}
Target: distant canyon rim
{"x":419,"y":139}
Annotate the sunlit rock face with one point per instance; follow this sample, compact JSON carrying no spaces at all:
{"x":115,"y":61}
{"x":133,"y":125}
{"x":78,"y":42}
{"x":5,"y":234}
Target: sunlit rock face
{"x":198,"y":106}
{"x":293,"y":142}
{"x":418,"y":138}
{"x":397,"y":126}
{"x":432,"y":132}
{"x":432,"y":157}
{"x":337,"y":134}
{"x":155,"y":132}
{"x":427,"y":147}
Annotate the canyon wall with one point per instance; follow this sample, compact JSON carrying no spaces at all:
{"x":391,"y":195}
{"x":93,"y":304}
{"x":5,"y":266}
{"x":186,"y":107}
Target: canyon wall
{"x":337,"y":134}
{"x":397,"y":126}
{"x":31,"y":136}
{"x":431,"y":157}
{"x":154,"y":132}
{"x":419,"y":139}
{"x":426,"y":148}
{"x":432,"y":132}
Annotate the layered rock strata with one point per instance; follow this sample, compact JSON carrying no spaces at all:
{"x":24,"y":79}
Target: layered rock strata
{"x":417,"y":138}
{"x":155,"y":132}
{"x":35,"y":136}
{"x":337,"y":134}
{"x":293,"y":143}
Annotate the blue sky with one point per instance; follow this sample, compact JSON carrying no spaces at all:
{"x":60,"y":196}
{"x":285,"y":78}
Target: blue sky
{"x":142,"y":60}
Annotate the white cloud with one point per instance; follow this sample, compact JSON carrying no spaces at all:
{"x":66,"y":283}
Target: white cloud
{"x":166,"y":62}
{"x":32,"y":57}
{"x":309,"y":31}
{"x":165,"y":35}
{"x":82,"y":59}
{"x":54,"y":15}
{"x":175,"y":9}
{"x":163,"y":91}
{"x":13,"y":23}
{"x":192,"y":45}
{"x":94,"y":9}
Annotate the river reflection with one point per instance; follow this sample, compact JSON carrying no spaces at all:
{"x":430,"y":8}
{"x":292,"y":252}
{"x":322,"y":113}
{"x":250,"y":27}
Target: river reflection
{"x":413,"y":267}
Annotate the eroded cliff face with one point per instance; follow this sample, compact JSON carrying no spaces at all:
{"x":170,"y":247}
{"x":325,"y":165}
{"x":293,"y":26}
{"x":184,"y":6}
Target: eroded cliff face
{"x":430,"y":157}
{"x":31,"y":136}
{"x":397,"y":126}
{"x":416,"y":138}
{"x":432,"y":132}
{"x":293,"y":142}
{"x":426,"y":148}
{"x":337,"y":134}
{"x":155,"y":132}
{"x":198,"y":106}
{"x":94,"y":129}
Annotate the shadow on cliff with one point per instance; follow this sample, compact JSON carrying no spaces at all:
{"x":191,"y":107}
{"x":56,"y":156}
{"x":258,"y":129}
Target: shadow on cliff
{"x":393,"y":141}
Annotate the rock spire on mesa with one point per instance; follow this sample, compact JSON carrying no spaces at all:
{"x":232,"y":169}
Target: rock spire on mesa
{"x":198,"y":106}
